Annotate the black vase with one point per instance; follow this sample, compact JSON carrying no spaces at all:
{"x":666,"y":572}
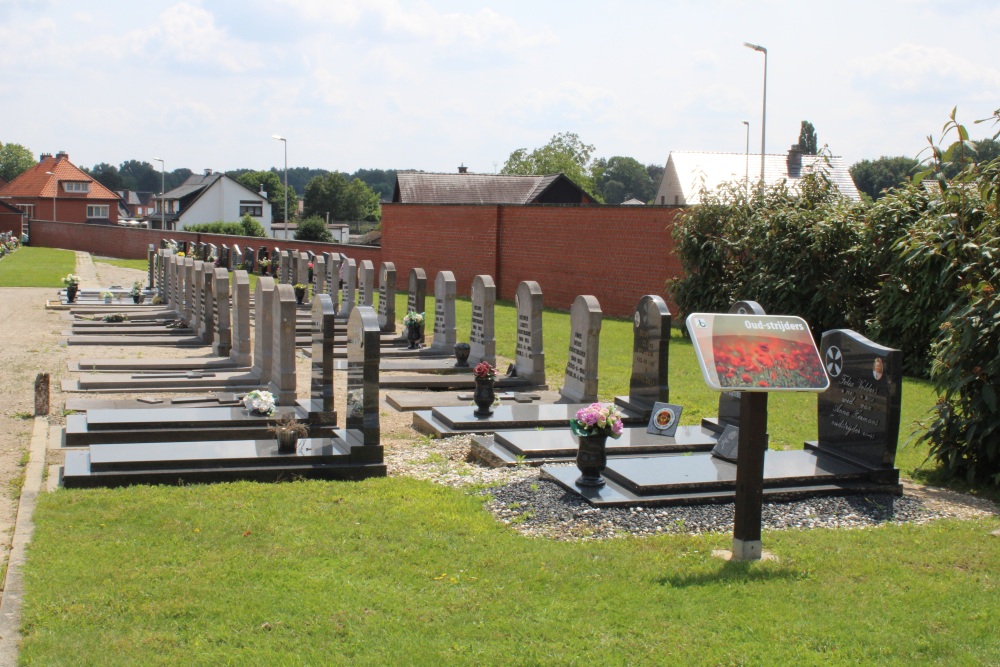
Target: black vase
{"x":462,"y":351}
{"x":71,"y":290}
{"x":484,"y":397}
{"x":591,"y":459}
{"x":300,"y":294}
{"x":287,"y":441}
{"x":413,"y":336}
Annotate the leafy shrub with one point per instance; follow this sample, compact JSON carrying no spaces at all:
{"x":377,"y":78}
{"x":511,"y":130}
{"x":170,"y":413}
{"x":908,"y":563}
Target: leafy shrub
{"x":247,"y":226}
{"x":313,"y":229}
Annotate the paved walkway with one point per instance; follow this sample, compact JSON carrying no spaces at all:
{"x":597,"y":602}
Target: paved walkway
{"x":87,"y":271}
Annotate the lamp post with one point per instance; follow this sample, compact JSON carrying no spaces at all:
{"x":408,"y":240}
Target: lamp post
{"x":163,"y":188}
{"x":284,"y":141}
{"x":54,"y":193}
{"x":746,"y":177}
{"x":763,"y":113}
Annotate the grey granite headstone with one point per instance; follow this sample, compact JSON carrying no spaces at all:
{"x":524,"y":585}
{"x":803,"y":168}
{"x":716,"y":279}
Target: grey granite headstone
{"x":362,"y":374}
{"x":211,"y":253}
{"x":285,"y":268}
{"x":283,"y":345}
{"x":326,"y":277}
{"x":334,"y":269}
{"x":387,"y":297}
{"x":161,"y":268}
{"x":319,"y":275}
{"x":151,"y":257}
{"x":482,"y":333}
{"x":366,"y":283}
{"x":350,"y":287}
{"x":225,"y":258}
{"x":580,"y":384}
{"x":263,"y":344}
{"x":445,"y":334}
{"x":169,"y":280}
{"x":241,"y":318}
{"x":198,"y":308}
{"x":416,"y":299}
{"x":189,"y":289}
{"x":222,"y":332}
{"x":206,"y":281}
{"x":236,"y":261}
{"x":321,"y":382}
{"x":302,"y":270}
{"x":529,"y":355}
{"x":275,"y":271}
{"x":649,"y":382}
{"x":859,"y":414}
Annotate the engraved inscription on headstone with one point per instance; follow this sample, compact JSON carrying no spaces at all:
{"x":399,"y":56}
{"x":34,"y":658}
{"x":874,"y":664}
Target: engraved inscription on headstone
{"x":529,"y":355}
{"x":387,"y":297}
{"x":580,"y":382}
{"x":347,"y":293}
{"x":650,"y":354}
{"x":366,"y":283}
{"x":445,"y":334}
{"x":362,"y":374}
{"x":416,"y":299}
{"x":482,"y":337}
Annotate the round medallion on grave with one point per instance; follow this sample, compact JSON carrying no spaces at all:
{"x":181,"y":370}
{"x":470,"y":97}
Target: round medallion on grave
{"x":834,"y":361}
{"x":638,"y":319}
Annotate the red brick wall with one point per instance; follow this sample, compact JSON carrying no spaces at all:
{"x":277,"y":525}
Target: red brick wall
{"x":616,"y":253}
{"x":10,"y":222}
{"x":128,"y":243}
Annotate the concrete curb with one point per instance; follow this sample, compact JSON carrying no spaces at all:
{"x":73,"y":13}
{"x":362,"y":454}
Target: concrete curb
{"x":13,"y":591}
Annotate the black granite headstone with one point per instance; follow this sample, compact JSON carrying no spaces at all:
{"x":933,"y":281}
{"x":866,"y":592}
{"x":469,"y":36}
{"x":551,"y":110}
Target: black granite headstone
{"x":650,"y":356}
{"x":363,"y":342}
{"x":859,"y":413}
{"x":321,"y":394}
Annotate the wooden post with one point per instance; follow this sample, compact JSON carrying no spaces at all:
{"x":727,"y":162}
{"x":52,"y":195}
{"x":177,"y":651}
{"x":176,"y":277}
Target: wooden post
{"x":41,"y":394}
{"x":750,"y":475}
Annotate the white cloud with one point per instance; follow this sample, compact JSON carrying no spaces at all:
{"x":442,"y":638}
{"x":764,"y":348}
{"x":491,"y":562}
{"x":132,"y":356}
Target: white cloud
{"x":913,"y":69}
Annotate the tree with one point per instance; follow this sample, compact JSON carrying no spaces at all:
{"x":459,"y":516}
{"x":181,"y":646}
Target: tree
{"x":623,"y":178}
{"x":275,"y":189}
{"x":107,"y":175}
{"x":344,"y":200}
{"x":313,"y":229}
{"x":139,"y":176}
{"x":564,"y":153}
{"x":808,"y":143}
{"x":15,"y":159}
{"x":874,"y":176}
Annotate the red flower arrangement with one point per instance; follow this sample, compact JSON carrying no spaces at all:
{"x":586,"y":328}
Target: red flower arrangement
{"x":484,"y":371}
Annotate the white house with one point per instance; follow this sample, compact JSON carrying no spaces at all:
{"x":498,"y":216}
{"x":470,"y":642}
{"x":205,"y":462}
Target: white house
{"x":688,"y":173}
{"x":212,"y":197}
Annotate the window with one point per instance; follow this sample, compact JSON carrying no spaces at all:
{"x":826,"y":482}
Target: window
{"x":254,"y":208}
{"x":96,"y":211}
{"x":76,"y":186}
{"x":27,"y":208}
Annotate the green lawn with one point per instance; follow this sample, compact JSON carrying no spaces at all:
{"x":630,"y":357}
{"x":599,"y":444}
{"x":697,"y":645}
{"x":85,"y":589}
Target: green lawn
{"x":139,"y":264}
{"x":36,"y":267}
{"x":397,"y":571}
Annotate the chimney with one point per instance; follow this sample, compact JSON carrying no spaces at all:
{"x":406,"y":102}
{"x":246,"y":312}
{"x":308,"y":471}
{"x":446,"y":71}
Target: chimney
{"x":794,"y":161}
{"x":62,"y":155}
{"x":208,"y":172}
{"x":262,"y":193}
{"x":463,"y":169}
{"x":44,"y":156}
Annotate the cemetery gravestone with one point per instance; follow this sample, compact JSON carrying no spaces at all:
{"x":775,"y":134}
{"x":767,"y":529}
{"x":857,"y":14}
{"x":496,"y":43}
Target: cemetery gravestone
{"x":482,"y":337}
{"x":334,"y":268}
{"x":302,"y":270}
{"x":362,"y":374}
{"x":199,"y":300}
{"x":189,"y":289}
{"x":387,"y":297}
{"x":222,"y":338}
{"x":416,"y":300}
{"x":283,"y":345}
{"x":240,"y":352}
{"x":319,"y":272}
{"x":529,"y":355}
{"x":205,"y":280}
{"x":151,"y":256}
{"x":264,"y":328}
{"x":580,"y":385}
{"x":285,"y":267}
{"x":347,"y":293}
{"x":649,"y":382}
{"x":445,"y":333}
{"x":366,"y":283}
{"x":320,"y":407}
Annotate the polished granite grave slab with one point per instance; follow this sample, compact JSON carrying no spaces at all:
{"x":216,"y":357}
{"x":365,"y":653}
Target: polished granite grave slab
{"x":408,"y":401}
{"x":702,"y":478}
{"x":534,"y":447}
{"x":154,"y":402}
{"x":432,"y":382}
{"x":116,"y":341}
{"x":176,"y":380}
{"x":445,"y":421}
{"x":339,"y":456}
{"x":139,"y":365}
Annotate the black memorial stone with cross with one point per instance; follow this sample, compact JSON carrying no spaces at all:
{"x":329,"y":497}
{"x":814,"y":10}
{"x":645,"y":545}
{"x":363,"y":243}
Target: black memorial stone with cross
{"x":650,"y":356}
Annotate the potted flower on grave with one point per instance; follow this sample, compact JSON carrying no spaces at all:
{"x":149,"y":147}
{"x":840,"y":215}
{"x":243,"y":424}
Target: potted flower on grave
{"x":106,"y":295}
{"x":115,"y":317}
{"x":288,"y":430}
{"x":259,"y":402}
{"x":484,"y":396}
{"x":591,"y":428}
{"x":300,"y":292}
{"x":72,"y":282}
{"x":136,"y":292}
{"x":413,"y":321}
{"x":310,"y":272}
{"x":263,"y":264}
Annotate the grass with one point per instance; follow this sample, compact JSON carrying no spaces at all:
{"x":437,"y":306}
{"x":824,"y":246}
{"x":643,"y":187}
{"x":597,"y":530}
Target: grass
{"x":397,"y":571}
{"x":138,"y":264}
{"x":36,"y":267}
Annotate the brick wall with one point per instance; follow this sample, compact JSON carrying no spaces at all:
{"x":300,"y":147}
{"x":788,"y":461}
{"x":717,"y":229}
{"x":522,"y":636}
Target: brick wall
{"x":616,"y":253}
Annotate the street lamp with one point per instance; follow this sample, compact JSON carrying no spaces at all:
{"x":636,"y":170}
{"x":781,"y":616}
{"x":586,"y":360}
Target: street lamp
{"x":746,"y":178}
{"x":284,"y":141}
{"x":163,"y":189}
{"x":763,"y":113}
{"x":54,"y":193}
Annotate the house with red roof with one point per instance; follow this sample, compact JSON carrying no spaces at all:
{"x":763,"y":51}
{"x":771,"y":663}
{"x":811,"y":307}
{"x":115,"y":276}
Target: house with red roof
{"x":55,"y":189}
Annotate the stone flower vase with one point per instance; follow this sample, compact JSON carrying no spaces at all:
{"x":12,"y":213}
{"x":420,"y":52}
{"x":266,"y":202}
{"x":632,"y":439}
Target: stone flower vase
{"x":484,"y":397}
{"x":138,"y":298}
{"x":288,"y":440}
{"x":462,"y":351}
{"x":71,"y":291}
{"x":413,"y":336}
{"x":591,"y":459}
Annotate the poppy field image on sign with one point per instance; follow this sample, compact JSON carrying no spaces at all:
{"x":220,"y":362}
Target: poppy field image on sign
{"x":747,"y":362}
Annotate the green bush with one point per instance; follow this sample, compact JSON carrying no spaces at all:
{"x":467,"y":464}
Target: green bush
{"x":246,"y":226}
{"x":313,"y":229}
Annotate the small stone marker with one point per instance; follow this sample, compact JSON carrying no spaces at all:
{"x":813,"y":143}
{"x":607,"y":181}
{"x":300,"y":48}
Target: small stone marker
{"x":445,"y":333}
{"x":387,"y":297}
{"x":350,"y":287}
{"x":416,"y":299}
{"x":366,"y":283}
{"x":241,"y":352}
{"x":283,"y":346}
{"x":41,"y":394}
{"x":529,"y":355}
{"x":482,"y":335}
{"x":580,"y":383}
{"x":222,"y":339}
{"x":362,"y":374}
{"x":263,"y":329}
{"x":859,"y":414}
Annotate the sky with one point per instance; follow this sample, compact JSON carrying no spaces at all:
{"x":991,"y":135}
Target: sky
{"x":432,"y":85}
